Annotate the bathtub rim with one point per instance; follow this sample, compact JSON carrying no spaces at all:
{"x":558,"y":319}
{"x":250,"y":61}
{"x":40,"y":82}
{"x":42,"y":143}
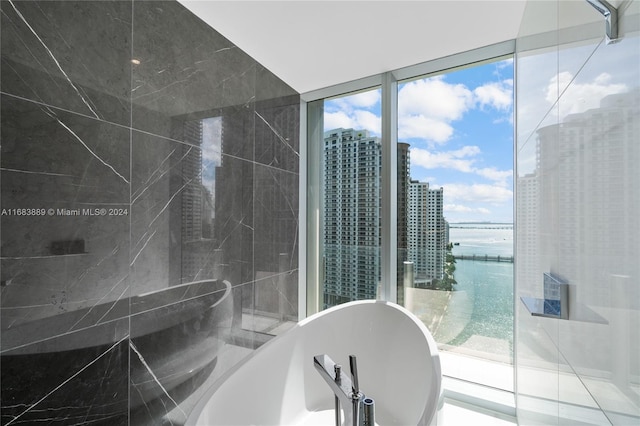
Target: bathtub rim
{"x":427,"y":416}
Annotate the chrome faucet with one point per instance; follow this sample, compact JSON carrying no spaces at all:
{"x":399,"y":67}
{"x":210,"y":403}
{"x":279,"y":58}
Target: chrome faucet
{"x":358,"y":410}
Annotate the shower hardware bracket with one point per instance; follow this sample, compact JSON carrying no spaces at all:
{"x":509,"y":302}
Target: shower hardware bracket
{"x":556,"y":299}
{"x":610,"y":14}
{"x":358,"y":409}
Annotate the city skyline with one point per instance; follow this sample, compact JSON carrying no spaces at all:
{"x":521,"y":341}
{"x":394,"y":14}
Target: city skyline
{"x":460,"y":128}
{"x":352,"y":235}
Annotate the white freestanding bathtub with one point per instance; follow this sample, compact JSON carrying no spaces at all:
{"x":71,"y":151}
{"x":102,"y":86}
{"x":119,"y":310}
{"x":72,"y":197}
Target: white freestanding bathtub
{"x":398,"y":366}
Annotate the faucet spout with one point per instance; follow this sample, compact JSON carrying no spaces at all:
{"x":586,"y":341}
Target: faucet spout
{"x":353,"y":365}
{"x":345,"y":389}
{"x":340,"y":384}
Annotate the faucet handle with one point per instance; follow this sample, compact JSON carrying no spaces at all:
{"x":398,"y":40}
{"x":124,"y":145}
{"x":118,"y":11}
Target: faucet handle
{"x":354,"y":374}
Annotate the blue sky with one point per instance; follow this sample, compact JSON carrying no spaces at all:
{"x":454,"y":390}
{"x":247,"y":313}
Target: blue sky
{"x":460,"y":128}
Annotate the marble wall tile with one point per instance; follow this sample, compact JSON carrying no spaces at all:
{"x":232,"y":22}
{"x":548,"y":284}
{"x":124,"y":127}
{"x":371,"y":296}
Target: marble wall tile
{"x":278,"y":204}
{"x":275,"y":252}
{"x":270,"y":87}
{"x":176,"y":336}
{"x":74,"y":171}
{"x":156,"y":195}
{"x":141,"y":308}
{"x":85,"y":386}
{"x":277,"y":133}
{"x":238,"y":126}
{"x":74,"y":55}
{"x":184,"y":317}
{"x":197,"y":71}
{"x":234,"y":221}
{"x":65,"y":270}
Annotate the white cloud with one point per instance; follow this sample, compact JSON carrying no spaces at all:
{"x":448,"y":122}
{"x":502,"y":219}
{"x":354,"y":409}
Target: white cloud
{"x":212,"y":140}
{"x":334,"y":120}
{"x":459,"y":208}
{"x":427,"y":107}
{"x":353,"y":112}
{"x":419,"y":126}
{"x":434,"y":98}
{"x":348,"y":104}
{"x":460,"y":159}
{"x":368,"y":120}
{"x":477,"y":193}
{"x":498,"y":95}
{"x":499,"y":176}
{"x":363,"y":100}
{"x":580,"y":97}
{"x":357,"y":119}
{"x":505,"y":63}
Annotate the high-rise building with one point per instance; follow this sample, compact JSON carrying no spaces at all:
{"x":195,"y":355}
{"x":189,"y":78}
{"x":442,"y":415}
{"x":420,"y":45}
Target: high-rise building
{"x":597,"y":165}
{"x":352,"y":226}
{"x":352,"y":167}
{"x":192,"y":181}
{"x":528,"y":213}
{"x":446,"y":233}
{"x":426,"y":231}
{"x":404,"y":178}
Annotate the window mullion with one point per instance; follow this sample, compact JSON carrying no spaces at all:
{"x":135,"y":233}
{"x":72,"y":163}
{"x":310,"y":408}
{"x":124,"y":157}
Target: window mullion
{"x":312,"y":199}
{"x":388,"y":213}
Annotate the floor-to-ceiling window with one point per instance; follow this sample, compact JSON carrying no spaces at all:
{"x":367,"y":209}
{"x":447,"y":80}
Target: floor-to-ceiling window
{"x":351,"y":166}
{"x":455,"y":215}
{"x":440,"y":136}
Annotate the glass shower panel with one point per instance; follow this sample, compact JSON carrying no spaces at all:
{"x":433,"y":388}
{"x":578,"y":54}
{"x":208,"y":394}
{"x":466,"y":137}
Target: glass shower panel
{"x":537,"y":338}
{"x":213,"y":209}
{"x":537,"y":90}
{"x":577,"y":206}
{"x":598,"y":211}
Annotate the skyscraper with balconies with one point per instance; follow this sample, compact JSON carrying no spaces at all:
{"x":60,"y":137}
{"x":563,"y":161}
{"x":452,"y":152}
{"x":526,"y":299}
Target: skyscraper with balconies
{"x":352,"y":225}
{"x":404,"y":177}
{"x":426,"y":232}
{"x":352,"y":166}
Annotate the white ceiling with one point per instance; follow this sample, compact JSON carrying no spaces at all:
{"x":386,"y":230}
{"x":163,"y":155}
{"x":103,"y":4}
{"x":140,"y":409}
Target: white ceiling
{"x":315,"y":44}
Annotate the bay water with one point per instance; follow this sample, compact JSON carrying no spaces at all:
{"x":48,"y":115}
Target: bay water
{"x":479,"y":317}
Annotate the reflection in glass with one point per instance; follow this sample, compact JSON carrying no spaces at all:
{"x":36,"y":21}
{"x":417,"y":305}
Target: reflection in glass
{"x":139,"y":255}
{"x":199,"y":196}
{"x":578,"y":205}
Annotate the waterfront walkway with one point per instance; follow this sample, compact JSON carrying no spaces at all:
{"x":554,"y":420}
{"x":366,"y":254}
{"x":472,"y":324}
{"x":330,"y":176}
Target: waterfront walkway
{"x":484,"y":258}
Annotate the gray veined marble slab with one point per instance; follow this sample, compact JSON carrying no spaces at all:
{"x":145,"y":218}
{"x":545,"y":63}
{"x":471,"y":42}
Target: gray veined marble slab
{"x":277,"y":133}
{"x":193,"y":74}
{"x":69,"y":169}
{"x":137,"y":107}
{"x":73,"y":55}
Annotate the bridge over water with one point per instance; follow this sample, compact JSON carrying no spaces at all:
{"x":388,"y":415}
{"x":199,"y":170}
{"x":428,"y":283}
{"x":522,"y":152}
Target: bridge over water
{"x":484,"y":258}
